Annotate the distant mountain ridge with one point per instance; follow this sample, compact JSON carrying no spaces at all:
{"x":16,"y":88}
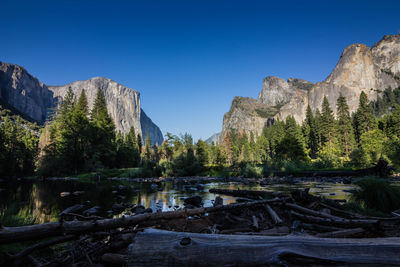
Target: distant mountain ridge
{"x":33,"y":98}
{"x":359,"y":69}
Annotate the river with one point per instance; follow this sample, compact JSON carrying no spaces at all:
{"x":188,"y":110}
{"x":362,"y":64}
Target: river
{"x":41,"y":201}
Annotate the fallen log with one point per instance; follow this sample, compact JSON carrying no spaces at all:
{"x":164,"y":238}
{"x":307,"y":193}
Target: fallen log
{"x":242,"y":193}
{"x":164,"y":248}
{"x":272,"y":213}
{"x":16,"y":258}
{"x":34,"y":232}
{"x":346,"y":223}
{"x":114,"y":259}
{"x":311,"y":212}
{"x":342,"y":233}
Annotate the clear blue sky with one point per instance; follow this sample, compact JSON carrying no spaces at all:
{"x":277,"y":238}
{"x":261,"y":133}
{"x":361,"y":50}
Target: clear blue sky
{"x":188,"y":58}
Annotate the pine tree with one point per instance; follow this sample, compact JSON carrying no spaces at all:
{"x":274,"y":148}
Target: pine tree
{"x":310,"y":133}
{"x":68,"y":103}
{"x":344,"y":127}
{"x":392,"y":127}
{"x":103,"y":133}
{"x":318,"y":126}
{"x":328,"y":133}
{"x":82,"y":103}
{"x":202,"y":152}
{"x":133,"y":148}
{"x":364,"y":119}
{"x":147,"y":148}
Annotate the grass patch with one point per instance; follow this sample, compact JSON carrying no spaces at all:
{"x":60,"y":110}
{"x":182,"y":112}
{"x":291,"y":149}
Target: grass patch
{"x":376,"y":194}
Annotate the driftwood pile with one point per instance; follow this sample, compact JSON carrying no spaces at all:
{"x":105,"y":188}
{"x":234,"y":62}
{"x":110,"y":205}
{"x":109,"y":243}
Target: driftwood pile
{"x":287,"y":230}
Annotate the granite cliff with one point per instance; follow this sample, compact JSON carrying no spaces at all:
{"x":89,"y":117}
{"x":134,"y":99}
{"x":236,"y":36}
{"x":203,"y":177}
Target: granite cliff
{"x":359,"y":68}
{"x":123,"y":104}
{"x":28,"y":95}
{"x":24,"y":92}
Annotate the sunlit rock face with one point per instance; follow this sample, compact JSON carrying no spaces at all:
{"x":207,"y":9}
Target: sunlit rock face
{"x":247,"y":115}
{"x":24,"y":92}
{"x":359,"y":69}
{"x":123,"y":104}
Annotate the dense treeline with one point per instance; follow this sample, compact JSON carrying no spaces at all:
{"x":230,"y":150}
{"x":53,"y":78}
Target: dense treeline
{"x":18,"y":144}
{"x":80,"y":140}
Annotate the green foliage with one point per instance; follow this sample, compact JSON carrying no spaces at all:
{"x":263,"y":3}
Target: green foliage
{"x":377,"y":194}
{"x":327,"y":123}
{"x":373,"y":144}
{"x":364,"y":119}
{"x":383,"y":104}
{"x":345,"y":130}
{"x":18,"y":147}
{"x":252,"y":170}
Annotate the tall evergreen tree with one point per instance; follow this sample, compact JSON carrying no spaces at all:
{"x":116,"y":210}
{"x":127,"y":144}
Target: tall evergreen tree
{"x":328,"y":133}
{"x":310,"y":133}
{"x":344,"y":127}
{"x":364,"y":119}
{"x":202,"y":152}
{"x":103,"y":132}
{"x":82,"y":103}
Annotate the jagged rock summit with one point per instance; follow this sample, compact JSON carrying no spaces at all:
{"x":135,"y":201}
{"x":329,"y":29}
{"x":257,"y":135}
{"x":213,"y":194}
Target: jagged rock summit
{"x":359,"y":69}
{"x":28,"y":95}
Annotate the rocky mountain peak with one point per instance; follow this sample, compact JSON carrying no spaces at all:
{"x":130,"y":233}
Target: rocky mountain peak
{"x":31,"y":97}
{"x":24,"y":92}
{"x":387,"y":54}
{"x":359,"y":69}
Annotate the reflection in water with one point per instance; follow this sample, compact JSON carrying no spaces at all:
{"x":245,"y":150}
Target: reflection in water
{"x":40,"y":201}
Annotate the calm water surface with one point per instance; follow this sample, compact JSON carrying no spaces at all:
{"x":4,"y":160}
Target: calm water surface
{"x":40,"y":201}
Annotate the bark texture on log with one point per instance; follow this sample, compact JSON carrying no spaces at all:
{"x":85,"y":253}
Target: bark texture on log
{"x":164,"y":248}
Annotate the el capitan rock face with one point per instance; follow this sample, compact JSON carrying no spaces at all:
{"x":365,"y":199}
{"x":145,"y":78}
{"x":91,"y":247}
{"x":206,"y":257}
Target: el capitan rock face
{"x":28,"y":95}
{"x":123,"y":104}
{"x":358,"y":69}
{"x":24,"y":92}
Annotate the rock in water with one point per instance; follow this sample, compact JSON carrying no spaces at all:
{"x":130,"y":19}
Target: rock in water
{"x":73,"y":209}
{"x":195,"y":201}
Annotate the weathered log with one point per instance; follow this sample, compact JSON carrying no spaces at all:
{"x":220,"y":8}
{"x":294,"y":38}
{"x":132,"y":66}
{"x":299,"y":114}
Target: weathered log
{"x":25,"y":252}
{"x":342,"y":233}
{"x":277,"y":231}
{"x":311,"y":212}
{"x":352,"y":215}
{"x":346,"y":223}
{"x":242,"y":193}
{"x":114,"y":259}
{"x":255,"y":223}
{"x":34,"y":232}
{"x":320,"y":228}
{"x":164,"y":248}
{"x":272,"y":213}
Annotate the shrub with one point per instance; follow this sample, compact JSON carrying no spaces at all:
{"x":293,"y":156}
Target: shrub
{"x":251,"y":170}
{"x":377,"y":194}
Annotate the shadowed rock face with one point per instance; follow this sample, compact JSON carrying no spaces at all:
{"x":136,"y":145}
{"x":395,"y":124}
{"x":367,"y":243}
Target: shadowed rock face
{"x":24,"y":92}
{"x":358,"y":69}
{"x":148,"y":127}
